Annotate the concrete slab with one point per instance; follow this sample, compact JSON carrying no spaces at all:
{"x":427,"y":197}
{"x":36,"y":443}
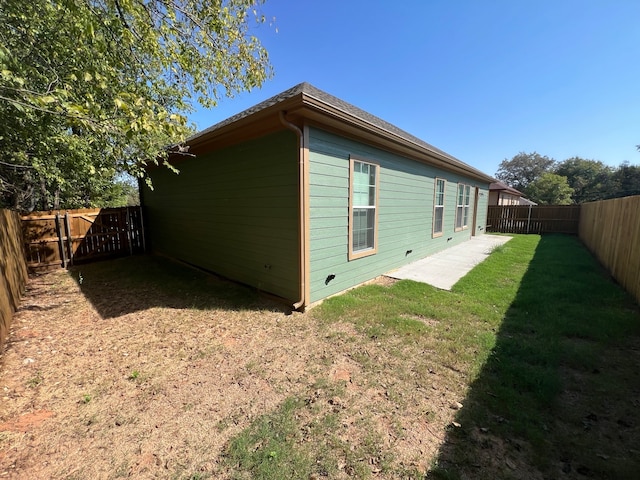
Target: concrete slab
{"x":444,"y":269}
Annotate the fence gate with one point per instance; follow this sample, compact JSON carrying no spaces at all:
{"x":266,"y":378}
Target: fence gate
{"x":64,"y":237}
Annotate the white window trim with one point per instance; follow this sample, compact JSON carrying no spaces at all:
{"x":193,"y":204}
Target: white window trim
{"x":353,"y":255}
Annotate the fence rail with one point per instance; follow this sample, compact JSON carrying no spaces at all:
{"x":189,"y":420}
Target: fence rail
{"x":13,"y":269}
{"x":62,"y":238}
{"x":533,"y":218}
{"x":611,"y":230}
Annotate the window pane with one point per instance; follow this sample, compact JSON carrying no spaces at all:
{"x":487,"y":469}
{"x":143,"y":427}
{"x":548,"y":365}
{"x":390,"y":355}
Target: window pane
{"x":372,"y":185}
{"x":459,"y":214}
{"x":437,"y":224}
{"x":363,"y":205}
{"x":363,"y":228}
{"x":440,"y":192}
{"x":364,"y":185}
{"x":467,"y":194}
{"x":360,"y":189}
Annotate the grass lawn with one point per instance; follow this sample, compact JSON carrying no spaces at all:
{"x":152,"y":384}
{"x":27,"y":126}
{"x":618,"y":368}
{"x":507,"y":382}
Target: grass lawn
{"x":527,"y":369}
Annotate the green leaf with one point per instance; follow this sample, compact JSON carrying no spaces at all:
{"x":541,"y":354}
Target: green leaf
{"x":150,"y":69}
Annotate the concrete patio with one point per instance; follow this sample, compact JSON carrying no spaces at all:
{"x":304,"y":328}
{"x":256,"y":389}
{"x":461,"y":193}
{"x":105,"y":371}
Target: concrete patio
{"x":444,"y":269}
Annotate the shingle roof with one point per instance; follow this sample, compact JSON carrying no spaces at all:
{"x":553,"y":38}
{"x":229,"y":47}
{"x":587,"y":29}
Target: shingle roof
{"x":503,"y":186}
{"x":307,"y":90}
{"x":292,"y":92}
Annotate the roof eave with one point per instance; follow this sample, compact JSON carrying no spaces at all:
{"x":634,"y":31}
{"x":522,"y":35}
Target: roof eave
{"x":304,"y":107}
{"x":387,"y":139}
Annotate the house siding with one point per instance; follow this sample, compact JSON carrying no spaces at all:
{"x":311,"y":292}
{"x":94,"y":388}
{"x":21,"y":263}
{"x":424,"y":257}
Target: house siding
{"x":233,"y":212}
{"x":405,"y":212}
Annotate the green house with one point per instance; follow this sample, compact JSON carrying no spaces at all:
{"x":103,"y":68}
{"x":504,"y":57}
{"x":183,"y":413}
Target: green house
{"x":304,"y":196}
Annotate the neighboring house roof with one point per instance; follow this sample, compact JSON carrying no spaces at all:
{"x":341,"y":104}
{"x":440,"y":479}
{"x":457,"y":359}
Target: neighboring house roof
{"x":306,"y":102}
{"x":500,"y":186}
{"x":526,"y":201}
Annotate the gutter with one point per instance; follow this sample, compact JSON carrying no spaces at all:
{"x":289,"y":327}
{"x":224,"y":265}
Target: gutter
{"x":445,"y":160}
{"x":302,"y":227}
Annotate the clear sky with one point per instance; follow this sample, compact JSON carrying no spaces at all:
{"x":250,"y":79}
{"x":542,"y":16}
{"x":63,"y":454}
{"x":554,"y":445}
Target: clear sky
{"x":481,"y":80}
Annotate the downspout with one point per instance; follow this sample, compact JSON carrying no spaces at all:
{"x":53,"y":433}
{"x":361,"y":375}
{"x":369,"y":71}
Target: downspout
{"x":302,"y":206}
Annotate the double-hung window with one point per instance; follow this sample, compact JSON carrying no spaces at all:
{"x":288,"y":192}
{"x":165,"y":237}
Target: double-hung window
{"x":467,"y":194}
{"x":438,"y":207}
{"x":363,"y":208}
{"x":462,"y":206}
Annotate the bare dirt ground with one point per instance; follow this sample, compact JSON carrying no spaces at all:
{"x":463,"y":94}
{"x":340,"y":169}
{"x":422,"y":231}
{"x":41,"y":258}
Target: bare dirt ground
{"x":137,"y":383}
{"x":141,"y":368}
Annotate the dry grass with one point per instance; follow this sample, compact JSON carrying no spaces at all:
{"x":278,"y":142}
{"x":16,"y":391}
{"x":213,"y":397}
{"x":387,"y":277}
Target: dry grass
{"x":118,"y":378}
{"x":143,"y":368}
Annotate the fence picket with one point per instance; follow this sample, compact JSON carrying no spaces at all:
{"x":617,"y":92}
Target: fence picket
{"x":533,"y":218}
{"x":611,"y":230}
{"x":81,"y":235}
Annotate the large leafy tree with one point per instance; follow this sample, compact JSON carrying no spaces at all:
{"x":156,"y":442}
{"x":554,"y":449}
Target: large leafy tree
{"x":590,"y":179}
{"x":625,"y":180}
{"x":550,"y":189}
{"x":90,"y":88}
{"x":523,"y":169}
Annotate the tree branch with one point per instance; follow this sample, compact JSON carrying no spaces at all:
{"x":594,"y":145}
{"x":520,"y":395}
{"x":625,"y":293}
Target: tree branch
{"x":13,"y":165}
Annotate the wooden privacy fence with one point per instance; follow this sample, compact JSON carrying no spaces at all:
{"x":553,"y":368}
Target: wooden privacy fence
{"x":13,"y":269}
{"x":62,"y":238}
{"x":611,"y":230}
{"x":533,"y":218}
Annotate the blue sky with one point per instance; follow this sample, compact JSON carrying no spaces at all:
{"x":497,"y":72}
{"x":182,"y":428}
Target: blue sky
{"x":481,"y":80}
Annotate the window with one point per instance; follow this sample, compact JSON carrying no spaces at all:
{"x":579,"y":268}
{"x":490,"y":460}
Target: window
{"x":462,"y":207}
{"x":438,"y":207}
{"x":467,"y":192}
{"x":363,"y":214}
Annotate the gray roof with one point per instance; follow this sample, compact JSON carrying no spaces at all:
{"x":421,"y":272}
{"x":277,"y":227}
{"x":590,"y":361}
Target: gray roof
{"x":306,"y":89}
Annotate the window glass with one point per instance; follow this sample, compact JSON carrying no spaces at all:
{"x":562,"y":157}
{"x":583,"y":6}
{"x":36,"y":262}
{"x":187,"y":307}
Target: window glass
{"x":438,"y":208}
{"x":363,"y":208}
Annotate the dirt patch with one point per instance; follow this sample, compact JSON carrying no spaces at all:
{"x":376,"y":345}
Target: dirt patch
{"x":154,"y":378}
{"x":431,"y":322}
{"x":26,"y":422}
{"x":140,"y":382}
{"x":385,"y":281}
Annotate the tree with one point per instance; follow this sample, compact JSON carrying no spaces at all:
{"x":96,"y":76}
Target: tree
{"x":523,"y":169}
{"x":90,"y":88}
{"x":590,"y":179}
{"x":625,"y":180}
{"x":550,"y":189}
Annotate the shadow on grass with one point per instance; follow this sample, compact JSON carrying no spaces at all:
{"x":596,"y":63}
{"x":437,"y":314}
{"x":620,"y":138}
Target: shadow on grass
{"x":559,"y":396}
{"x":131,"y":284}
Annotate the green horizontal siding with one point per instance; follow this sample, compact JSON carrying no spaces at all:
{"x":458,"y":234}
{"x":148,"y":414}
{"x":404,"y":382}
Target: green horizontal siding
{"x":405,"y":212}
{"x":233,"y":212}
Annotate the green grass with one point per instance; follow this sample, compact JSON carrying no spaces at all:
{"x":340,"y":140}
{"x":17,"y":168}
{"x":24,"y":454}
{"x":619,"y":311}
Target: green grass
{"x":535,"y":314}
{"x":300,"y":440}
{"x":267,"y":449}
{"x":537,"y":342}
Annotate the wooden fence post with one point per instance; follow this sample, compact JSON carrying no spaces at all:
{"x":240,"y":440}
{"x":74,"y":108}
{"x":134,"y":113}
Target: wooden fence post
{"x":128,"y":227}
{"x":61,"y":244}
{"x":144,"y":243}
{"x":69,"y":236}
